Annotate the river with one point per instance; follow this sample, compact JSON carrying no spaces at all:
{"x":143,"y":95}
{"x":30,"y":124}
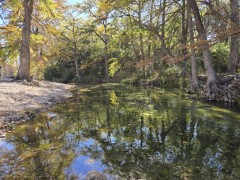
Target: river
{"x":126,"y":132}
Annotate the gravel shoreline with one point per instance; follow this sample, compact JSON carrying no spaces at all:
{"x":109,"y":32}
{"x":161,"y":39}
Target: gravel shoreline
{"x":20,"y":103}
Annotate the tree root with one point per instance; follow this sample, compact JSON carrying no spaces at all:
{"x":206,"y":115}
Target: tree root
{"x":227,"y":93}
{"x":193,"y":88}
{"x":31,"y":83}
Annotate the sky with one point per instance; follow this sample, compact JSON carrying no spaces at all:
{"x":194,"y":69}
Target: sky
{"x":74,"y":1}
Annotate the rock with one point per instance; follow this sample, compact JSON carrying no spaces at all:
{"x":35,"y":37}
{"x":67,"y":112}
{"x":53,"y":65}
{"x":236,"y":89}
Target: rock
{"x":51,"y":115}
{"x":94,"y":175}
{"x":25,"y":82}
{"x":6,"y":79}
{"x":2,"y":135}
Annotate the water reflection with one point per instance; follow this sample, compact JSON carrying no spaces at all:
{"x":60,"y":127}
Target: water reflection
{"x":124,"y":133}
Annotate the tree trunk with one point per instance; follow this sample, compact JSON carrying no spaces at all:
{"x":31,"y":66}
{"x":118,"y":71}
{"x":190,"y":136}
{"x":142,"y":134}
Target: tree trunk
{"x":150,"y":34}
{"x":234,"y":43}
{"x":184,"y":28}
{"x":194,"y":80}
{"x":184,"y":35}
{"x":24,"y":68}
{"x":133,"y":41}
{"x":211,"y":74}
{"x":106,"y":59}
{"x":163,"y":45}
{"x":140,"y":27}
{"x":77,"y":67}
{"x":135,"y":51}
{"x":149,"y":50}
{"x":75,"y":40}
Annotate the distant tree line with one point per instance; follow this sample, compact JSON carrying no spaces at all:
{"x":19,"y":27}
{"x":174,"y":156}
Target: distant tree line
{"x":142,"y":41}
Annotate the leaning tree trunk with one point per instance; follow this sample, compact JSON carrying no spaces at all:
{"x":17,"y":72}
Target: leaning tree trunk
{"x":24,"y":68}
{"x":211,"y":74}
{"x":234,"y":43}
{"x":213,"y":91}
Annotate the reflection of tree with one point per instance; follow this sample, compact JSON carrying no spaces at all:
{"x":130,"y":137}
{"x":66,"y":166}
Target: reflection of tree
{"x":141,"y":131}
{"x":38,"y":146}
{"x":146,"y":134}
{"x":176,"y":137}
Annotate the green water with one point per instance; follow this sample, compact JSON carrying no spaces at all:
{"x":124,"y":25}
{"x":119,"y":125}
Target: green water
{"x":126,"y":133}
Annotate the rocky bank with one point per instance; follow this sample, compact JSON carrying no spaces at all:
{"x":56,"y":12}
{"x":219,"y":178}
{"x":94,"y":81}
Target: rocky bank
{"x":19,"y":101}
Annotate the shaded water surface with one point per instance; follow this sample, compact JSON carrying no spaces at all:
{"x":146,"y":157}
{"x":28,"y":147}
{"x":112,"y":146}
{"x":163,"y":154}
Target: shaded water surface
{"x":125,"y":133}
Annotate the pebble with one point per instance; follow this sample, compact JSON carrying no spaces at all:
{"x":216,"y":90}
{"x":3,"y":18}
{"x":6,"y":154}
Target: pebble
{"x":94,"y":175}
{"x":51,"y":115}
{"x":15,"y":97}
{"x":2,"y":135}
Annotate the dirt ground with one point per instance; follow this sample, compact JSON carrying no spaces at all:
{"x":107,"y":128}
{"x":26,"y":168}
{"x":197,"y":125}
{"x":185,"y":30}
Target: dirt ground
{"x":18,"y":101}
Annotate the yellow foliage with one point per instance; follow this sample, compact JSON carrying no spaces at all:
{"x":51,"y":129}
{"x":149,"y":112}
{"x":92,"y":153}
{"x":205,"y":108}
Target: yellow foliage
{"x":105,"y":5}
{"x":11,"y":29}
{"x":114,"y":66}
{"x":101,"y":29}
{"x":113,"y":98}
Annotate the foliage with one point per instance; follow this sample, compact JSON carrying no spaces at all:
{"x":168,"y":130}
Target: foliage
{"x":220,"y":53}
{"x":61,"y":72}
{"x":114,"y":66}
{"x":52,"y":73}
{"x":133,"y":41}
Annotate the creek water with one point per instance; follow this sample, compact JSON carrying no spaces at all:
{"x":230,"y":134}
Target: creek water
{"x":125,"y":133}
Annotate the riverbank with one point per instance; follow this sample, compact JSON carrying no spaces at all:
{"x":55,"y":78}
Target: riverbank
{"x":227,"y":89}
{"x":20,"y":102}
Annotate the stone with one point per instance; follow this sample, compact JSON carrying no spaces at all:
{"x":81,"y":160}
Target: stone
{"x":2,"y":135}
{"x":94,"y":175}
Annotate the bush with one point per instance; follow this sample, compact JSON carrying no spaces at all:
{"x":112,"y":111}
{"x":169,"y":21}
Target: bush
{"x":51,"y":73}
{"x":220,"y":53}
{"x":59,"y":73}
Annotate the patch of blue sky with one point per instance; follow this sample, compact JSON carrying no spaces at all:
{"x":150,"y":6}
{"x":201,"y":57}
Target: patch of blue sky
{"x":74,"y":1}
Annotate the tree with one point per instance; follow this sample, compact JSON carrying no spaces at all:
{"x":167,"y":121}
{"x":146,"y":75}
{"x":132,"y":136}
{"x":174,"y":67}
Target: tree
{"x":24,"y":68}
{"x":72,"y":37}
{"x":184,"y":28}
{"x":211,"y":74}
{"x":162,"y":36}
{"x":139,"y":15}
{"x":26,"y":27}
{"x":101,"y":11}
{"x":194,"y":77}
{"x":234,"y":39}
